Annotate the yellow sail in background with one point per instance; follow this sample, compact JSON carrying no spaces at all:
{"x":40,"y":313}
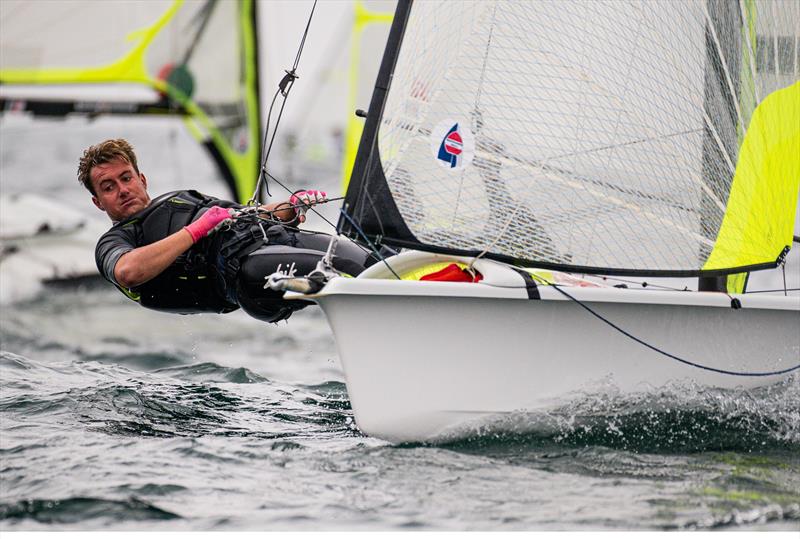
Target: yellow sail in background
{"x":194,"y":59}
{"x":362,"y":17}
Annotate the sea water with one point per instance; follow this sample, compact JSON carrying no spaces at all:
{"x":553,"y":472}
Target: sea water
{"x":116,"y":417}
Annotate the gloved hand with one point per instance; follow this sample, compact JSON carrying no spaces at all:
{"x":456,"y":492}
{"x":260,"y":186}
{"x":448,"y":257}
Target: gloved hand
{"x":211,"y":221}
{"x":305,"y":199}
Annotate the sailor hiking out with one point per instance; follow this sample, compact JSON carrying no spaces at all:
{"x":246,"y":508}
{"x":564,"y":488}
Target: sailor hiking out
{"x":186,"y":252}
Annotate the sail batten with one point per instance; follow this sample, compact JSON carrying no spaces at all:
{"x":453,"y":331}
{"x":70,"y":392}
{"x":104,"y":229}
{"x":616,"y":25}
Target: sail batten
{"x":619,"y":135}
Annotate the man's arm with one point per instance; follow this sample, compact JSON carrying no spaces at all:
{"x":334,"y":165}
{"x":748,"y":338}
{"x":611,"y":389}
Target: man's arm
{"x":281,"y":210}
{"x":143,"y":263}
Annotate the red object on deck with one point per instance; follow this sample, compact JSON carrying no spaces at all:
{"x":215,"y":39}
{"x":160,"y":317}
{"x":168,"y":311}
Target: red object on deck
{"x":452,"y":273}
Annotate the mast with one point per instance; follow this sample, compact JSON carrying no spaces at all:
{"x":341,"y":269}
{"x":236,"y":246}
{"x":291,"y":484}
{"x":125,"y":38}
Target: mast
{"x":367,"y":177}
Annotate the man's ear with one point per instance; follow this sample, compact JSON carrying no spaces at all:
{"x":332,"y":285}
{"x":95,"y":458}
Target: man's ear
{"x":144,"y":180}
{"x":97,"y":203}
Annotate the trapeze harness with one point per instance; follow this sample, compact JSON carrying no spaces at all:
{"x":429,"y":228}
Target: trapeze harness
{"x":230,"y":268}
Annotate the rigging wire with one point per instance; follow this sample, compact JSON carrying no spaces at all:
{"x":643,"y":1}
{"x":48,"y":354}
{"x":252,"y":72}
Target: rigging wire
{"x":204,"y":15}
{"x":375,"y":250}
{"x":783,"y":269}
{"x":775,"y":290}
{"x":372,"y":248}
{"x":263,"y":169}
{"x":284,"y":87}
{"x":643,"y":284}
{"x":665,"y":353}
{"x":276,"y":180}
{"x":645,"y":343}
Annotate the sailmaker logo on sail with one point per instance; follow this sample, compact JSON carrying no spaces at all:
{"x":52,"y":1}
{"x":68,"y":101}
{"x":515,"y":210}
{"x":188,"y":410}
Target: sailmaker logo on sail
{"x":453,"y":146}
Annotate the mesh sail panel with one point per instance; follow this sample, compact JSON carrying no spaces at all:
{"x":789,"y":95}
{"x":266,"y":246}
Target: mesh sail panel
{"x":583,"y":134}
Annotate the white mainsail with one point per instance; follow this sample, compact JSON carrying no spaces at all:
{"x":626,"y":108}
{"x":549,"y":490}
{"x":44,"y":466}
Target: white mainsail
{"x":594,"y":135}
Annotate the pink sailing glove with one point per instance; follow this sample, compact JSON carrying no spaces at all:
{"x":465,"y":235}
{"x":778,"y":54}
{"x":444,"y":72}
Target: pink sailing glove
{"x":211,"y":220}
{"x":305,"y":199}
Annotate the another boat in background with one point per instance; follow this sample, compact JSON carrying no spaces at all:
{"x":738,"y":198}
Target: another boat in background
{"x":42,"y":241}
{"x":195,"y":61}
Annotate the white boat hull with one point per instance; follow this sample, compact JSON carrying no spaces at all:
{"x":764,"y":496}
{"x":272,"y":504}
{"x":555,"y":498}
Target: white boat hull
{"x":423,"y":358}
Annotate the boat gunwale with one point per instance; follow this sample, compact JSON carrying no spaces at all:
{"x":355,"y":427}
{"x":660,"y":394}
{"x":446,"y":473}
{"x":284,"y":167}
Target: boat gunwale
{"x":481,"y":290}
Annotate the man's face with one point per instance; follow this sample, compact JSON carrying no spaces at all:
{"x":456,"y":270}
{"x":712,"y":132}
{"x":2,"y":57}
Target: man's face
{"x":121,"y":192}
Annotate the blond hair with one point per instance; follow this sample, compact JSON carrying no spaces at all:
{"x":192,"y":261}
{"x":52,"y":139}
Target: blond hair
{"x":105,"y":152}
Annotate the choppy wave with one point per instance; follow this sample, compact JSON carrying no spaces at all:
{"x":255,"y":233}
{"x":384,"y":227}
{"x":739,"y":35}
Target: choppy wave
{"x":82,"y":509}
{"x":211,"y":372}
{"x":672,"y":420}
{"x":706,"y":459}
{"x":722,"y":460}
{"x":187,"y":400}
{"x":201,"y":398}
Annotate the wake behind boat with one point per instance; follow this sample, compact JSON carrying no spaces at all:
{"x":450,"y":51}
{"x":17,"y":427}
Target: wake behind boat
{"x":626,"y":138}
